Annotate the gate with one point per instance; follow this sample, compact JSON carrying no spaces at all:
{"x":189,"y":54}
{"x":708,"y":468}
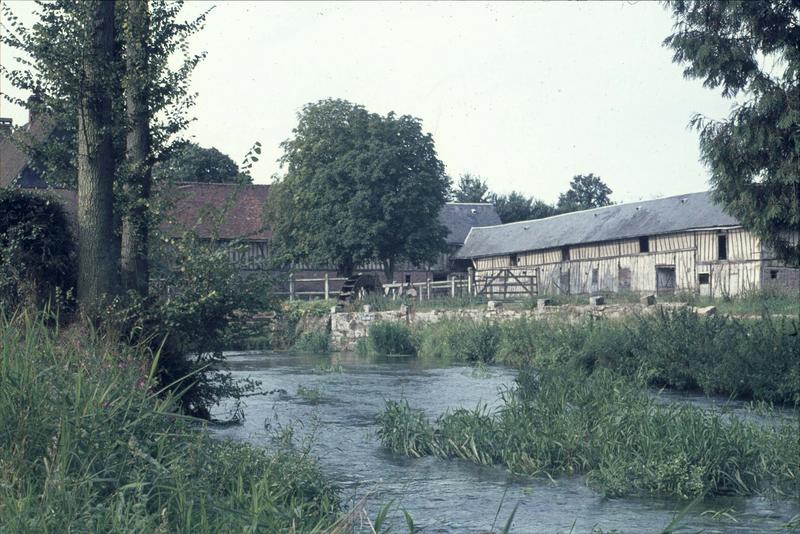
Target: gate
{"x":508,"y":283}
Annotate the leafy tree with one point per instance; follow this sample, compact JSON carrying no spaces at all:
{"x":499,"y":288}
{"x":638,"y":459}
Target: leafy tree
{"x":517,"y":207}
{"x":189,"y":162}
{"x":359,"y":187}
{"x":749,"y":49}
{"x":585,"y":192}
{"x":471,"y":188}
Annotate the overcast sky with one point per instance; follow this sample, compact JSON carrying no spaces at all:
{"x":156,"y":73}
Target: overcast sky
{"x":524,"y":94}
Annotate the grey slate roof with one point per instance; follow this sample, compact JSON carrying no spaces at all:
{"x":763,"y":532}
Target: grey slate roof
{"x":461,"y":217}
{"x":621,"y":221}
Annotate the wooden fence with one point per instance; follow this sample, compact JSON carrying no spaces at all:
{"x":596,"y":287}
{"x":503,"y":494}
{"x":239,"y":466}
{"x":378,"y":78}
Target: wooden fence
{"x":498,"y":284}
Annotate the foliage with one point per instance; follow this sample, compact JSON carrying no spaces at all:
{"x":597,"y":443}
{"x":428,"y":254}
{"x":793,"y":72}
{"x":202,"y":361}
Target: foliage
{"x":87,"y":445}
{"x":459,"y":340}
{"x":748,"y":49}
{"x":471,"y":188}
{"x":37,"y":251}
{"x":585,"y":192}
{"x":189,"y":162}
{"x":517,"y":207}
{"x":740,"y":358}
{"x":359,"y":187}
{"x":388,"y":337}
{"x":313,"y":342}
{"x":626,"y":442}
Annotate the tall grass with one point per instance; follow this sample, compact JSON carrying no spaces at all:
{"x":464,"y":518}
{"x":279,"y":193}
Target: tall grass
{"x":313,"y":342}
{"x":387,"y":337}
{"x":626,"y":443}
{"x":87,"y":445}
{"x":741,"y":358}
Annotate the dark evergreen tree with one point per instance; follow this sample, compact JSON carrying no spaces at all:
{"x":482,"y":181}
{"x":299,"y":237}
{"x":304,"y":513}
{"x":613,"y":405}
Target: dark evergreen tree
{"x":585,"y":192}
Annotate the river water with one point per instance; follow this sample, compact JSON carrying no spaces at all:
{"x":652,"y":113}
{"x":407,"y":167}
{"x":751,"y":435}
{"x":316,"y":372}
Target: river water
{"x":333,"y":402}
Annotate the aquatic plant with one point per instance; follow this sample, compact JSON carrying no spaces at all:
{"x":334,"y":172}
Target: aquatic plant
{"x":458,"y":340}
{"x":313,"y":342}
{"x":600,"y":425}
{"x":388,"y":337}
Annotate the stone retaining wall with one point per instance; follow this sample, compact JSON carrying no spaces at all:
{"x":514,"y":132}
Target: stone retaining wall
{"x":347,"y":328}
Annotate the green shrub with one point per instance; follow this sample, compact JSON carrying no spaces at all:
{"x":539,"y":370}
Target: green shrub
{"x":313,"y":342}
{"x":37,"y":251}
{"x":459,"y":340}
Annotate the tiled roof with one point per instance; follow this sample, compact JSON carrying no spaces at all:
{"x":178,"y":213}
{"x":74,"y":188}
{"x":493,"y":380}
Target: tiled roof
{"x":620,"y":221}
{"x":197,"y":206}
{"x":461,"y":217}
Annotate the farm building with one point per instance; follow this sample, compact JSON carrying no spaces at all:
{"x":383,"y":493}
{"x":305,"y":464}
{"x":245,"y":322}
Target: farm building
{"x":685,"y":243}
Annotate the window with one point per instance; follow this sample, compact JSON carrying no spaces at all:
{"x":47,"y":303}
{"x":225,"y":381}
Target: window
{"x":704,"y":278}
{"x":514,"y":260}
{"x":564,"y":253}
{"x":722,"y":247}
{"x":773,"y":274}
{"x":644,"y":244}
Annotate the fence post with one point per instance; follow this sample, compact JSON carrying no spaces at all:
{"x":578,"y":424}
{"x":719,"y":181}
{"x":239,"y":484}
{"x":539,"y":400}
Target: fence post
{"x":291,"y":287}
{"x":327,"y":287}
{"x":428,"y":287}
{"x":453,"y":286}
{"x":470,"y":280}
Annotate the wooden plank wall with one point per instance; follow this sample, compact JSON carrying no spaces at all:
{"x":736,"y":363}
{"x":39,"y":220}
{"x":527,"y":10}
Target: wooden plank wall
{"x":595,"y":267}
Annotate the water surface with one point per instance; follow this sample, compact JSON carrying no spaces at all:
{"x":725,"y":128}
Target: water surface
{"x":334,"y":401}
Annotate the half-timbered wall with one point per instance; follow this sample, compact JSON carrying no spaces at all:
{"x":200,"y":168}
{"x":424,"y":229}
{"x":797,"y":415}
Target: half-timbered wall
{"x":673,"y":263}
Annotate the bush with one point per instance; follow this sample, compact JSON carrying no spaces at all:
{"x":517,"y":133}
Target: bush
{"x":388,"y":337}
{"x":37,"y":252}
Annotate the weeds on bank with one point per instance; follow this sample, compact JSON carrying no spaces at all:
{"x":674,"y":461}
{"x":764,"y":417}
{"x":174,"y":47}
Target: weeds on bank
{"x":605,"y":427}
{"x":313,"y":342}
{"x":87,"y":445}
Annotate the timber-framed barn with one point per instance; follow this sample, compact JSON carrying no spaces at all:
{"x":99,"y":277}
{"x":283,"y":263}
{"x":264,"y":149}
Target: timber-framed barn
{"x":679,"y":244}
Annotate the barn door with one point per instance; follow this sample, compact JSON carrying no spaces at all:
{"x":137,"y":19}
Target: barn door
{"x":563,"y":282}
{"x":665,"y":280}
{"x":624,"y":279}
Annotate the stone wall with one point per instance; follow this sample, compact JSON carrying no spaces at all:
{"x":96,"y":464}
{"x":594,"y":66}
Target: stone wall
{"x":347,"y":328}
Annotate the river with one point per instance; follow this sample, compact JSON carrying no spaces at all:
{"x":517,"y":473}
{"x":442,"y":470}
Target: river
{"x":333,"y":401}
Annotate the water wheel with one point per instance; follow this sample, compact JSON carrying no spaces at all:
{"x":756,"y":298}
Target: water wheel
{"x":358,"y":285}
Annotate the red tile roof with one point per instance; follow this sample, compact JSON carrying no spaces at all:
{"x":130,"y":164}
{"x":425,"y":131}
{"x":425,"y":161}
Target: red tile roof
{"x":197,"y":206}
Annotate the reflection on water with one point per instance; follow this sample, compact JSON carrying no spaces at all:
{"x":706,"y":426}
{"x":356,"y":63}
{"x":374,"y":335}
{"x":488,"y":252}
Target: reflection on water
{"x":334,"y":401}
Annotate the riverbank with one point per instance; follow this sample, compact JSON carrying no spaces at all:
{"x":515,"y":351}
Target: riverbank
{"x":86,"y":444}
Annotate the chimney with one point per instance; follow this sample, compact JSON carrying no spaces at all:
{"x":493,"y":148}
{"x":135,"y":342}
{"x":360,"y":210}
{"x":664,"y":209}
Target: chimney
{"x":5,"y":125}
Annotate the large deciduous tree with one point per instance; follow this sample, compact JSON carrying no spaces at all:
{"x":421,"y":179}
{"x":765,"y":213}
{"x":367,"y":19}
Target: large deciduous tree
{"x":585,"y":192}
{"x":359,"y":187}
{"x":190,"y":162}
{"x":750,"y":50}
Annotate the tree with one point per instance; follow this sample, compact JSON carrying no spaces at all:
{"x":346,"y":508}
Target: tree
{"x":517,"y":207}
{"x":98,"y":276}
{"x":585,"y":192}
{"x":749,"y":49}
{"x":189,"y":162}
{"x":359,"y":187}
{"x":471,"y":188}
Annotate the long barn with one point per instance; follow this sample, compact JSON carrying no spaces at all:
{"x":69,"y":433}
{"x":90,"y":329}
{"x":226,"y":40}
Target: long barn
{"x":685,"y":243}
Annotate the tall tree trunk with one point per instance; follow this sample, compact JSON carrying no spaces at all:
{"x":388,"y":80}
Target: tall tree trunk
{"x":97,"y":262}
{"x":134,"y":265}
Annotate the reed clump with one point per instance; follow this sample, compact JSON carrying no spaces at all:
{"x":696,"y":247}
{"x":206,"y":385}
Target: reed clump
{"x":611,"y":431}
{"x":86,"y":444}
{"x":740,"y":358}
{"x":387,"y":337}
{"x":313,"y":342}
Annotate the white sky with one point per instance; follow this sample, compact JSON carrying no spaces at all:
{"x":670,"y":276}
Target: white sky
{"x":524,"y":94}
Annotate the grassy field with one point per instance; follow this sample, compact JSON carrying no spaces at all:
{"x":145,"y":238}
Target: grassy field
{"x":86,"y":445}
